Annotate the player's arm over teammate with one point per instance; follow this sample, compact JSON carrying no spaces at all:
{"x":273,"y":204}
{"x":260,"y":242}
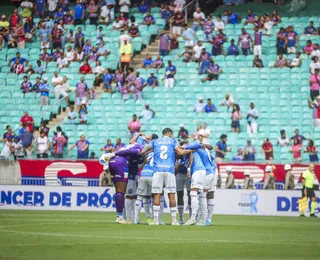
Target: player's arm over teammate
{"x":146,"y":149}
{"x":189,"y":165}
{"x":135,"y":137}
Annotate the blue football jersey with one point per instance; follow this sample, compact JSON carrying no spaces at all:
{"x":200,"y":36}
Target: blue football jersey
{"x":197,"y":164}
{"x":207,"y":161}
{"x":141,"y":140}
{"x":164,"y":154}
{"x":147,"y":170}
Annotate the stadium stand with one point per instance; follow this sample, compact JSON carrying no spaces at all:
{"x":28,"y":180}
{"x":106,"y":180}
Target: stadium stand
{"x":280,"y":95}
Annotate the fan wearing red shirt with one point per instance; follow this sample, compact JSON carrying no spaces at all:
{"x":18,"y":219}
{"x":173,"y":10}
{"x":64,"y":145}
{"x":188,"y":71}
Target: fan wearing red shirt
{"x":28,"y":120}
{"x":85,"y":68}
{"x":267,"y":149}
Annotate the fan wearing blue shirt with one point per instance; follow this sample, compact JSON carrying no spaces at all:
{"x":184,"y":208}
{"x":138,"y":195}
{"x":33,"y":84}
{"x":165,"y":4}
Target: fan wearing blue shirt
{"x":143,"y":7}
{"x":209,"y":108}
{"x":147,"y":62}
{"x":310,"y":29}
{"x":18,"y":57}
{"x":78,"y":13}
{"x":152,"y":81}
{"x":233,"y":17}
{"x":44,"y":92}
{"x":233,"y":49}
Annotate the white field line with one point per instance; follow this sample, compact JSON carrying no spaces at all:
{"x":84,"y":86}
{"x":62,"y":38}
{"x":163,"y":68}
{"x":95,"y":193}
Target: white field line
{"x":167,"y":240}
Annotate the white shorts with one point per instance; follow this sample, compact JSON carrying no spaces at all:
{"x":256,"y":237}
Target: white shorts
{"x":197,"y":180}
{"x":144,"y":186}
{"x":253,"y":128}
{"x":257,"y":50}
{"x":162,"y":180}
{"x":210,"y":181}
{"x":79,"y":100}
{"x":182,"y":181}
{"x":176,"y":30}
{"x":189,"y":43}
{"x":169,"y":83}
{"x":43,"y":45}
{"x":60,"y":92}
{"x":291,"y":50}
{"x":132,"y":187}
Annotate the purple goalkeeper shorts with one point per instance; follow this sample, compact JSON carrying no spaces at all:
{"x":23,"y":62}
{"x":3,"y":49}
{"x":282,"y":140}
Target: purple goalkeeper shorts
{"x":117,"y":171}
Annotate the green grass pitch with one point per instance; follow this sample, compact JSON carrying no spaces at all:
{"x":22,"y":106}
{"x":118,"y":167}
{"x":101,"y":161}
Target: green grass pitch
{"x":52,"y":235}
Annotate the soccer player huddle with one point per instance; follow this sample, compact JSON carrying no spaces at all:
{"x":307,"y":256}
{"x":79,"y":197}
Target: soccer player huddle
{"x":164,"y":163}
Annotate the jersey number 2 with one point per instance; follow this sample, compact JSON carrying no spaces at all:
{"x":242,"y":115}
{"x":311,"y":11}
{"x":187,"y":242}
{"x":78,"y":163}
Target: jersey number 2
{"x":163,"y":154}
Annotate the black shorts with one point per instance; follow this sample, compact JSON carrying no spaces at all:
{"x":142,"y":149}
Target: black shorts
{"x":310,"y":192}
{"x":212,"y":76}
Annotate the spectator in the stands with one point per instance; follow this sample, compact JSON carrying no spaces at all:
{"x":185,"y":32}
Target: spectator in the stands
{"x":45,"y":56}
{"x":316,"y":111}
{"x":26,"y":85}
{"x":27,"y":138}
{"x":293,"y":39}
{"x":269,"y":24}
{"x":250,"y":18}
{"x":56,"y":36}
{"x":239,"y":156}
{"x":118,"y":25}
{"x":310,"y":30}
{"x":143,"y":7}
{"x":29,"y":29}
{"x":81,"y":92}
{"x":58,"y":143}
{"x":68,"y":18}
{"x":148,"y":19}
{"x":204,"y":61}
{"x":276,"y":17}
{"x":217,"y":43}
{"x":87,"y":48}
{"x":133,"y":31}
{"x":236,"y":116}
{"x":228,"y":101}
{"x":257,"y":62}
{"x":257,"y":43}
{"x":43,"y":127}
{"x":205,"y":132}
{"x":213,"y":72}
{"x":245,"y":40}
{"x":249,"y":151}
{"x":308,"y":48}
{"x":178,"y":21}
{"x":315,"y":64}
{"x":124,"y":7}
{"x":169,"y":75}
{"x":14,"y":60}
{"x":109,"y":147}
{"x":313,"y":151}
{"x":295,"y":62}
{"x":209,"y":108}
{"x":230,"y":178}
{"x":105,"y":15}
{"x":118,"y":144}
{"x":99,"y":35}
{"x":281,"y":62}
{"x":79,"y":11}
{"x":28,"y":120}
{"x":7,"y":150}
{"x":139,"y":83}
{"x":189,"y":36}
{"x":187,"y":55}
{"x":102,"y":50}
{"x":183,"y":133}
{"x":166,"y":13}
{"x":314,"y":84}
{"x":208,"y":27}
{"x":221,"y":148}
{"x":83,"y":113}
{"x":267,"y":149}
{"x":44,"y":90}
{"x":9,"y":134}
{"x":197,"y":51}
{"x":4,"y":32}
{"x":282,"y":41}
{"x":233,"y":17}
{"x":296,"y":149}
{"x":82,"y":147}
{"x":199,"y":107}
{"x":93,"y":12}
{"x":158,"y":63}
{"x":316,"y":51}
{"x":14,"y":18}
{"x":232,"y":49}
{"x":252,"y":116}
{"x":198,"y":19}
{"x":39,"y":69}
{"x":134,"y":126}
{"x":18,"y":35}
{"x":42,"y":145}
{"x":152,"y":81}
{"x":124,"y":20}
{"x":107,"y":81}
{"x":72,"y":115}
{"x":125,"y":52}
{"x":123,"y":36}
{"x":219,"y":24}
{"x":147,"y":114}
{"x":85,"y":68}
{"x":17,"y":67}
{"x":179,"y":4}
{"x":174,"y":44}
{"x":79,"y":38}
{"x":283,"y":140}
{"x":147,"y":62}
{"x":30,"y":70}
{"x":297,"y":137}
{"x":18,"y":148}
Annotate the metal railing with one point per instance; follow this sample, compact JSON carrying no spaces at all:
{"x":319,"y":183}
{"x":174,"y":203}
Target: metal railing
{"x":189,"y":7}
